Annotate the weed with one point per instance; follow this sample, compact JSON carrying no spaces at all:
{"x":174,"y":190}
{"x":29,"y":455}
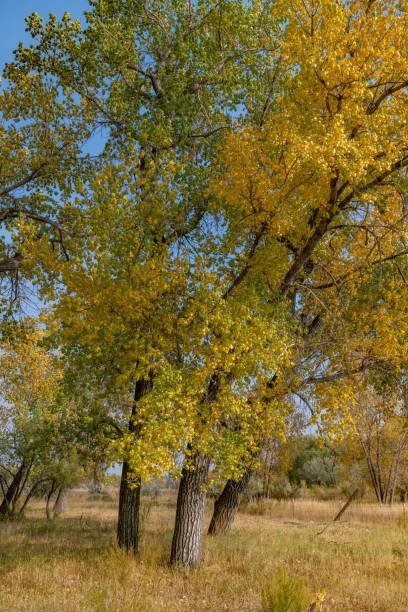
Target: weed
{"x":284,"y":593}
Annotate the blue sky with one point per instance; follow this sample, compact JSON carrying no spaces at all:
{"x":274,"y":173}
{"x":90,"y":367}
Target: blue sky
{"x":12,"y":13}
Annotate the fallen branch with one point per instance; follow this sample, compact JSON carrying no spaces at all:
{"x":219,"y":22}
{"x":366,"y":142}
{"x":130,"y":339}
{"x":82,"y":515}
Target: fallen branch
{"x":342,"y":510}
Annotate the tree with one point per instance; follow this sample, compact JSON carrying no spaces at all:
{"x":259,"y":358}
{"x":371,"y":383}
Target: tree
{"x":269,"y":466}
{"x":42,"y":138}
{"x":164,"y":81}
{"x":48,"y":439}
{"x":231,"y":272}
{"x":324,"y":179}
{"x":381,"y":426}
{"x":28,"y":386}
{"x":313,"y":464}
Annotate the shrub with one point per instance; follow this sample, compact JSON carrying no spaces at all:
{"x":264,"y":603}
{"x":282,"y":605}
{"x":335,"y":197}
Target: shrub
{"x":103,"y":496}
{"x":326,"y":493}
{"x":284,"y":593}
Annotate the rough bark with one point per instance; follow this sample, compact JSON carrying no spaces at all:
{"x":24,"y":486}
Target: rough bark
{"x":129,"y":493}
{"x":227,"y":504}
{"x":129,"y":511}
{"x":14,"y":490}
{"x":188,"y":529}
{"x":187,"y":536}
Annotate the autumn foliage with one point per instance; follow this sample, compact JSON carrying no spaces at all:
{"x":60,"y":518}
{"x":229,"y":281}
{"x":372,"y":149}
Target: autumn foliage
{"x":238,"y":238}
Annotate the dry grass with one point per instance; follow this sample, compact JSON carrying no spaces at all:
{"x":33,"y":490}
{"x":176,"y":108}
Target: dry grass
{"x":72,"y":564}
{"x":310,"y":510}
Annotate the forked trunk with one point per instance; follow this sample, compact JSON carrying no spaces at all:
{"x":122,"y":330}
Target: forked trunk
{"x":227,"y":504}
{"x":30,"y":494}
{"x":14,"y":490}
{"x":129,"y":493}
{"x":188,"y":530}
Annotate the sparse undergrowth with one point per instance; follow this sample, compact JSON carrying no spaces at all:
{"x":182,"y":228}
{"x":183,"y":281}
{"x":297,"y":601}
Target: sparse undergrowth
{"x":72,"y":563}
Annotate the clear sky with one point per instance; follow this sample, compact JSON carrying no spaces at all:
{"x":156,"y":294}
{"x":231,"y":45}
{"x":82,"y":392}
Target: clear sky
{"x":12,"y":13}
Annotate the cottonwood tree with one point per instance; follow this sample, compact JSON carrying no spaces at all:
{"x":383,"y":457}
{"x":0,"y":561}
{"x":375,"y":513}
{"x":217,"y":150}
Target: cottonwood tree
{"x":42,"y":138}
{"x":327,"y":360}
{"x":381,"y":426}
{"x":326,"y":178}
{"x":163,"y":81}
{"x":311,"y":200}
{"x":28,"y":386}
{"x":49,"y":439}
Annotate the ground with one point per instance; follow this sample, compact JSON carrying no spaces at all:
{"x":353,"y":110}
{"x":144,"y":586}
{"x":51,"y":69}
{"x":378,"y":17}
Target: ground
{"x":72,"y":563}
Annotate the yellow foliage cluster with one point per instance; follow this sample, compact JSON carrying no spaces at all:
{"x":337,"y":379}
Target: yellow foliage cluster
{"x":296,"y":277}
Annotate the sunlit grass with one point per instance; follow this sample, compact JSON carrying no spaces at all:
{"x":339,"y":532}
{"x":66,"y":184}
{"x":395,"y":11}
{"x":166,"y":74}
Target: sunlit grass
{"x":73,"y":564}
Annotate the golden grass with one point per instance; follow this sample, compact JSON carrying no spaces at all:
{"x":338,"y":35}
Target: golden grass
{"x":311,"y":510}
{"x":72,"y":564}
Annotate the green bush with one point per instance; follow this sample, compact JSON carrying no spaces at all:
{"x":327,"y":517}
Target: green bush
{"x":103,"y":496}
{"x":284,"y":593}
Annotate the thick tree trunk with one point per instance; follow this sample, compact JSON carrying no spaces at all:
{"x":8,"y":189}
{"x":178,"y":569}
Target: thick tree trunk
{"x":14,"y":490}
{"x":129,"y":493}
{"x":59,"y":504}
{"x":188,"y":529}
{"x":129,"y":511}
{"x":227,"y":504}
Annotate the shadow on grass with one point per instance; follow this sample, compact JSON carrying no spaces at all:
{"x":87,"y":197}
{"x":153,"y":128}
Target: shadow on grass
{"x":39,"y":541}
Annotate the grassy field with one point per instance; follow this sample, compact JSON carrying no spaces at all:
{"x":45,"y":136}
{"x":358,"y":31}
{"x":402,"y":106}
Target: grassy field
{"x":72,"y":563}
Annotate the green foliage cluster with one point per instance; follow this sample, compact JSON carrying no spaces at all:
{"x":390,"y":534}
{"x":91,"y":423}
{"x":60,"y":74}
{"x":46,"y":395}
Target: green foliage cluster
{"x":285,"y":593}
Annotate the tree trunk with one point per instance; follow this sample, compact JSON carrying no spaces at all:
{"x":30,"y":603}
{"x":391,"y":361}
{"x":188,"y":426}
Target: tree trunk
{"x":60,"y":500}
{"x":187,"y":536}
{"x":51,"y":492}
{"x":30,"y":494}
{"x":129,"y":493}
{"x":227,"y":504}
{"x":96,"y":487}
{"x":129,"y":511}
{"x":11,"y":497}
